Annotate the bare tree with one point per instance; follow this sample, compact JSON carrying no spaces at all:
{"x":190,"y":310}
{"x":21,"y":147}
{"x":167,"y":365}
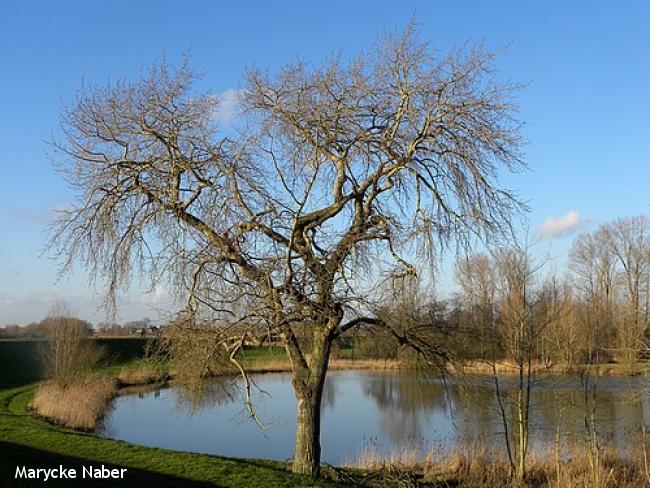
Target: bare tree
{"x":514,"y":308}
{"x":476,"y":276}
{"x":523,"y":317}
{"x":336,"y":177}
{"x":612,"y":269}
{"x":68,"y":351}
{"x":564,"y":340}
{"x":628,"y":241}
{"x":594,"y":268}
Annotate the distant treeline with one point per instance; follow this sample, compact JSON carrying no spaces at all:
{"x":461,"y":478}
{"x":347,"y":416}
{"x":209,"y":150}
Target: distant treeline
{"x":513,"y":306}
{"x":37,"y":330}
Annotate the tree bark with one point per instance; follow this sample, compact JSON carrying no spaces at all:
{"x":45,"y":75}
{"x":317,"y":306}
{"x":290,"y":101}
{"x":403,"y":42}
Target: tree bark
{"x":308,"y":387}
{"x":307,"y":452}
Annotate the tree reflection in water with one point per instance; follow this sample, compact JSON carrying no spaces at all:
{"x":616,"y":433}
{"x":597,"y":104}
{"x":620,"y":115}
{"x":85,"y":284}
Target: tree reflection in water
{"x":406,"y":404}
{"x":410,"y":411}
{"x":195,"y":397}
{"x":390,"y":411}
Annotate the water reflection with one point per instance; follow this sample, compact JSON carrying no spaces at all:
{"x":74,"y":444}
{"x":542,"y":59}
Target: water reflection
{"x":390,"y":411}
{"x":194,"y":398}
{"x":406,"y":406}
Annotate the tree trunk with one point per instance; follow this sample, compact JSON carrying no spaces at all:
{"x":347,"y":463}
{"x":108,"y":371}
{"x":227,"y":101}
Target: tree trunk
{"x":309,"y":393}
{"x":306,"y":459}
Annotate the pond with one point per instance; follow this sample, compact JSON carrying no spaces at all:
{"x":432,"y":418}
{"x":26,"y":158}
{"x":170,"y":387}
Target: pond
{"x":372,"y":412}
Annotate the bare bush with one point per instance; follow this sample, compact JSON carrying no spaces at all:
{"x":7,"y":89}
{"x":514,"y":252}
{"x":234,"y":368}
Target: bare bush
{"x":68,"y":352}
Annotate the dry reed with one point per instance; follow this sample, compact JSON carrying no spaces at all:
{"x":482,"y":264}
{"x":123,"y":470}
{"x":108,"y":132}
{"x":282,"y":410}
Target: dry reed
{"x":283,"y":365}
{"x":142,"y":374}
{"x":479,"y":468}
{"x":78,"y":405}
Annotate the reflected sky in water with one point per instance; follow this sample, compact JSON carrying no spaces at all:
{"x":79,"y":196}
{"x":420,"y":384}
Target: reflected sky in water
{"x":385,"y":411}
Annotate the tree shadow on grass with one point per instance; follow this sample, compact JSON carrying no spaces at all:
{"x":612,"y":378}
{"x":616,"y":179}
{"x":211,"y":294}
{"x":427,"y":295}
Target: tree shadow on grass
{"x":13,"y":455}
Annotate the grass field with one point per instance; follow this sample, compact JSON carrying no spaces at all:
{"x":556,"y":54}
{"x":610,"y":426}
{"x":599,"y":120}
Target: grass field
{"x":30,"y":441}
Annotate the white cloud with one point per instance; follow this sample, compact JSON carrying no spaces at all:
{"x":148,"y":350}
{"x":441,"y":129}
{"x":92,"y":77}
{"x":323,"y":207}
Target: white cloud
{"x":228,"y":107}
{"x":157,"y":296}
{"x":559,"y":227}
{"x":25,"y":308}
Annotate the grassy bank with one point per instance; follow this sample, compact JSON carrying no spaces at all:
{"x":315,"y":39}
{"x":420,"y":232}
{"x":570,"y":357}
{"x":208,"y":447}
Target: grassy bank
{"x":274,"y":360}
{"x":28,"y":440}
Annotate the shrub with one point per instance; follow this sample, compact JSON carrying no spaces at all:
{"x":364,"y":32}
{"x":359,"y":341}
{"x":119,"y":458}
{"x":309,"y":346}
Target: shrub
{"x":68,"y":352}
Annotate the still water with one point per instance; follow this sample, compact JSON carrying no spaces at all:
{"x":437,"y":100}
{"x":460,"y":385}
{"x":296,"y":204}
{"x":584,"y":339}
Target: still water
{"x":382,"y":413}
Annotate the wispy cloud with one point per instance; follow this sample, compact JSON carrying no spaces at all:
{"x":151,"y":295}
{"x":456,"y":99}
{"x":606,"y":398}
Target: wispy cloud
{"x":34,"y":216}
{"x":228,"y":107}
{"x":28,"y":215}
{"x":554,"y":227}
{"x":6,"y":300}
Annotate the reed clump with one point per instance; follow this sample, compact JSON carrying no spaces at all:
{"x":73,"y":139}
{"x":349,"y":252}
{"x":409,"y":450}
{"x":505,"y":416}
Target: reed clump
{"x":143,"y":373}
{"x":283,"y":365}
{"x":78,"y":405}
{"x":483,"y":469}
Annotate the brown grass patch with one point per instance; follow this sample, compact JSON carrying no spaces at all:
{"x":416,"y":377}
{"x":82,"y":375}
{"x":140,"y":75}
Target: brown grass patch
{"x":78,"y":405}
{"x":506,"y":367}
{"x":370,"y":364}
{"x":480,"y":468}
{"x":282,"y":365}
{"x":142,"y":374}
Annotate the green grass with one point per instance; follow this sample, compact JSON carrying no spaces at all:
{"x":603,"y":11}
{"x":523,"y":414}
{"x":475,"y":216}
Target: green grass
{"x":28,"y":440}
{"x":258,"y":354}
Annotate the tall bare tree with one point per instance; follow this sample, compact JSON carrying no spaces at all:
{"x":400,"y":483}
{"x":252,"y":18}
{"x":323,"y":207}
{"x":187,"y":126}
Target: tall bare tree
{"x":594,"y":269}
{"x":612,"y":269}
{"x":335,"y":177}
{"x":524,"y":315}
{"x":628,"y":241}
{"x":476,"y":276}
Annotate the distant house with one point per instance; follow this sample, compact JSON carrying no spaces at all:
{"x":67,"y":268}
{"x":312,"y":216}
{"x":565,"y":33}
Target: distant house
{"x":151,"y":330}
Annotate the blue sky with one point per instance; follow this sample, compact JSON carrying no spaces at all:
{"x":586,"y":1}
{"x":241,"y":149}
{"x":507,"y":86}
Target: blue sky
{"x":586,"y":104}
